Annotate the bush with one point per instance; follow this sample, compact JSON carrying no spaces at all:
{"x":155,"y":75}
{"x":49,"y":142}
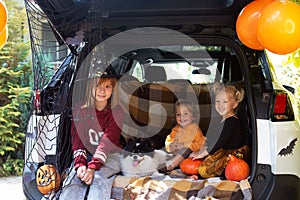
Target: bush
{"x":12,"y":167}
{"x":15,"y":92}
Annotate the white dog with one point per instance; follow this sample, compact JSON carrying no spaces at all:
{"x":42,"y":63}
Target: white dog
{"x":139,"y":159}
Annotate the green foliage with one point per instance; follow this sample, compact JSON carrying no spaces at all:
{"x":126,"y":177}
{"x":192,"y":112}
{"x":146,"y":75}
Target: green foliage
{"x":15,"y":93}
{"x":288,"y":72}
{"x":292,"y":59}
{"x":296,"y":1}
{"x":12,"y":167}
{"x":291,"y":73}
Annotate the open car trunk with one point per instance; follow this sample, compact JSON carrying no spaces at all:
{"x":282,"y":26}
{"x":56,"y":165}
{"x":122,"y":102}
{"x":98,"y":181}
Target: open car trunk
{"x":71,"y":38}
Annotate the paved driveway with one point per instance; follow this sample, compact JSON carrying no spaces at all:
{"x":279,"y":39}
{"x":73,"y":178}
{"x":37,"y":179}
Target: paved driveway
{"x":11,"y":188}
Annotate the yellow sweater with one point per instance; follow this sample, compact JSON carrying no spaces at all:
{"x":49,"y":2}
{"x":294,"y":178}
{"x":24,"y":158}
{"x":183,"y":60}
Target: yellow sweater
{"x":191,"y":136}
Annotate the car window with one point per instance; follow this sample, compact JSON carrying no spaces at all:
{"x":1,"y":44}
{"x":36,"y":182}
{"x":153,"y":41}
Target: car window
{"x":183,"y":70}
{"x":137,"y":71}
{"x":196,"y":64}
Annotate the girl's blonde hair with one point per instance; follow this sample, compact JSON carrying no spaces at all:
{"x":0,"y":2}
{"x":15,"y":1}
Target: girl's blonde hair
{"x":190,"y":106}
{"x":91,"y":90}
{"x":237,"y":93}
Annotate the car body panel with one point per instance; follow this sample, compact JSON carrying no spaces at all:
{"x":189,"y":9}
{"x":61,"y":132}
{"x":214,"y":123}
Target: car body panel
{"x":287,"y":148}
{"x":265,"y":143}
{"x":277,"y":146}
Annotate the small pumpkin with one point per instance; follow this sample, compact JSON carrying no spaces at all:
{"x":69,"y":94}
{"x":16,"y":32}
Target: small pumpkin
{"x":190,"y":166}
{"x":236,"y":169}
{"x":47,"y":179}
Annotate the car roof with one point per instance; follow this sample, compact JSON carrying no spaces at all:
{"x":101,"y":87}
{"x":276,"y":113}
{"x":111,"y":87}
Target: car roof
{"x":112,"y":16}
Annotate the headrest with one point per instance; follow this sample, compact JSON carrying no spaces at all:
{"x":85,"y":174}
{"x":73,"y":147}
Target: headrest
{"x":155,"y":74}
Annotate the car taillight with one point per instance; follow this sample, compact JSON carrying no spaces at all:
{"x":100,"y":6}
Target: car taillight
{"x":280,"y":103}
{"x":37,"y":100}
{"x":282,"y":110}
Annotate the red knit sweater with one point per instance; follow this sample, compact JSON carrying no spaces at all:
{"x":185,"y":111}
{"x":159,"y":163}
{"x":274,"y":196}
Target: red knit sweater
{"x":97,"y":133}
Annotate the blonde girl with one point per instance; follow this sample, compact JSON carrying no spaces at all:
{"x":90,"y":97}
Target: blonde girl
{"x":227,"y":100}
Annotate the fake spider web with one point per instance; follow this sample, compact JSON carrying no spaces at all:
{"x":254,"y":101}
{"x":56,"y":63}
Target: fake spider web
{"x":59,"y":31}
{"x":54,"y":61}
{"x":47,"y":57}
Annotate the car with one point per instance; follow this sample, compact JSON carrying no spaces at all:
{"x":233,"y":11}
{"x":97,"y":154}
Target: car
{"x":160,"y":52}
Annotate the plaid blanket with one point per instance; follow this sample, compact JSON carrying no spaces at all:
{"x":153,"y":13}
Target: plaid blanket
{"x":149,"y":108}
{"x":166,"y":187}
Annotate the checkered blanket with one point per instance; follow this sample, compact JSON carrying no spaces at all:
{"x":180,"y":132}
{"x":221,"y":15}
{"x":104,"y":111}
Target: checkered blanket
{"x":151,"y":106}
{"x":165,"y":187}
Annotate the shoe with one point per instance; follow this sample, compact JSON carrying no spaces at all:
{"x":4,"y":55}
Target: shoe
{"x":162,"y":168}
{"x":165,"y":167}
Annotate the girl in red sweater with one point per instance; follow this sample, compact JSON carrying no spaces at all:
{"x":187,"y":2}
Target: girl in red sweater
{"x":95,"y":131}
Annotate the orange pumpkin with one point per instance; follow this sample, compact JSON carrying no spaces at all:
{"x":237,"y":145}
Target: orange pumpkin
{"x":236,"y":169}
{"x":47,"y":179}
{"x":190,"y":166}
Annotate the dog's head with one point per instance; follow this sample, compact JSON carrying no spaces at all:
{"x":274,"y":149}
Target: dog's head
{"x":138,"y":149}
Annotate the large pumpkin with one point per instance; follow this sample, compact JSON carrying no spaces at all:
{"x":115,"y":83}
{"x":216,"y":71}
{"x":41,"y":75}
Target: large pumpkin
{"x":236,"y":169}
{"x":190,"y":166}
{"x":47,"y":179}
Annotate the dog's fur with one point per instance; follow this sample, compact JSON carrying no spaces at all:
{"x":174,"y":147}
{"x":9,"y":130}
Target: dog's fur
{"x":139,"y":158}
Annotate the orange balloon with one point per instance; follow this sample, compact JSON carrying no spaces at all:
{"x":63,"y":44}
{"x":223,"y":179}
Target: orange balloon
{"x":3,"y":37}
{"x":278,"y":28}
{"x":3,"y":16}
{"x":246,"y":23}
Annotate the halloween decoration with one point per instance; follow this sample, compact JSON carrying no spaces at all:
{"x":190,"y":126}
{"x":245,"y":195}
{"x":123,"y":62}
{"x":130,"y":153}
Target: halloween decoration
{"x":47,"y":179}
{"x":236,"y":169}
{"x":278,"y":27}
{"x":3,"y":16}
{"x":189,"y":166}
{"x":214,"y":165}
{"x":3,"y":37}
{"x":246,"y":23}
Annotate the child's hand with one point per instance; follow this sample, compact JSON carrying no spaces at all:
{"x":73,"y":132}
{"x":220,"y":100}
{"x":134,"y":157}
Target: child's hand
{"x":175,"y":146}
{"x":193,"y":155}
{"x":88,"y":177}
{"x":81,"y":171}
{"x":172,"y":146}
{"x":199,"y":154}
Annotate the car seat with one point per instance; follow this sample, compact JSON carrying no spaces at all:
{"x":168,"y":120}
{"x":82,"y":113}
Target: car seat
{"x":155,"y":74}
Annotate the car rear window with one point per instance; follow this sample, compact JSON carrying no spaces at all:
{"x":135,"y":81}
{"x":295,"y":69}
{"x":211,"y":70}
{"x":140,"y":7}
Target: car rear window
{"x":197,"y":65}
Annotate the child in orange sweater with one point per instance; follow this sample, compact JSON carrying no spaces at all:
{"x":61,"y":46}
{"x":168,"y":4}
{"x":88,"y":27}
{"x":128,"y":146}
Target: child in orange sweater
{"x":186,"y":137}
